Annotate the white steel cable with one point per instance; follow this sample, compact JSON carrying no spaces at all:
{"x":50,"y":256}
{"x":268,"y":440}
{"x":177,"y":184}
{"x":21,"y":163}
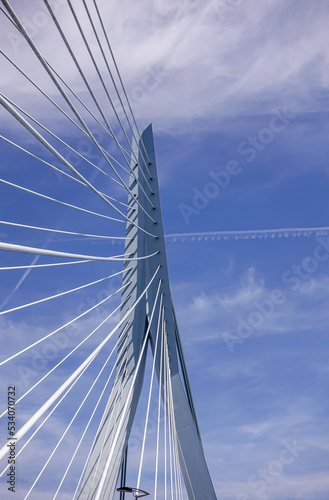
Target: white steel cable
{"x":50,"y":413}
{"x":149,"y":396}
{"x":11,"y":109}
{"x":130,"y":171}
{"x":176,"y":445}
{"x":48,"y":416}
{"x":50,"y":230}
{"x":172,"y":433}
{"x":87,"y":45}
{"x":59,"y":139}
{"x":27,"y":426}
{"x":17,"y":186}
{"x":159,"y":413}
{"x":11,"y":268}
{"x":56,"y":331}
{"x":23,"y":31}
{"x":88,"y":86}
{"x":68,"y":355}
{"x":165,"y":415}
{"x":100,"y":78}
{"x":57,"y":295}
{"x":90,"y":113}
{"x":6,"y":103}
{"x":121,"y":82}
{"x":10,"y":247}
{"x":110,"y":72}
{"x":60,"y":109}
{"x":90,"y":418}
{"x":170,"y":438}
{"x":62,"y":172}
{"x":68,"y":47}
{"x":69,"y":425}
{"x":106,"y":91}
{"x":113,"y":417}
{"x":124,"y":410}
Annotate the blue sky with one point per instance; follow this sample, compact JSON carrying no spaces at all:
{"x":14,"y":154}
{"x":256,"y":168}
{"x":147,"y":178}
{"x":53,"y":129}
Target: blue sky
{"x":237,"y":92}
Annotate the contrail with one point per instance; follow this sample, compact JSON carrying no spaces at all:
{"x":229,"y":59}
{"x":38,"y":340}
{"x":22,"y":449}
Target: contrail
{"x":23,"y":278}
{"x":19,"y":283}
{"x":260,"y":234}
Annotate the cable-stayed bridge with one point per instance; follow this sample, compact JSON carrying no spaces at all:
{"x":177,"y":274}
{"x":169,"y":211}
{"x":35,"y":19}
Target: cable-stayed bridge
{"x":76,"y":323}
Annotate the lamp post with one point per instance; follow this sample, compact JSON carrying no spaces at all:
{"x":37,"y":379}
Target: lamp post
{"x":137,"y":493}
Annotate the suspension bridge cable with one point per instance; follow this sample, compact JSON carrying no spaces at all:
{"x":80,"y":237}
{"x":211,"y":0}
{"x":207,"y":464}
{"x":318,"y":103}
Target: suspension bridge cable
{"x":51,"y":412}
{"x":170,"y":435}
{"x":7,"y":16}
{"x":68,"y":47}
{"x":121,"y":82}
{"x":70,"y":423}
{"x":48,"y":416}
{"x":149,"y":396}
{"x":103,"y":84}
{"x":59,"y":201}
{"x":113,"y":417}
{"x":176,"y":446}
{"x":23,"y":31}
{"x":86,"y":82}
{"x":41,"y":251}
{"x":10,"y":106}
{"x":159,"y":412}
{"x":70,"y":353}
{"x":165,"y":418}
{"x":51,"y":230}
{"x":62,"y":171}
{"x":11,"y":268}
{"x":58,"y":139}
{"x":118,"y":94}
{"x":91,"y":114}
{"x":57,"y":295}
{"x":61,"y":109}
{"x":172,"y":432}
{"x":27,"y":426}
{"x":128,"y":401}
{"x":43,"y":422}
{"x":87,"y":45}
{"x":57,"y":330}
{"x":90,"y":418}
{"x":115,"y":405}
{"x":4,"y":101}
{"x":130,"y":171}
{"x":106,"y":152}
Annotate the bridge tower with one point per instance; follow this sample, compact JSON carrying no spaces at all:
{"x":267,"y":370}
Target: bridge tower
{"x":107,"y":458}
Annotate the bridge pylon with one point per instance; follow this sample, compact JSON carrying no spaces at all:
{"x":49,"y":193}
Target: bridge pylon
{"x":145,"y":236}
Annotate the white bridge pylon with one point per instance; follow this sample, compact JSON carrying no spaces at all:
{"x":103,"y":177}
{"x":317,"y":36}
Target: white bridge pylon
{"x":108,"y":453}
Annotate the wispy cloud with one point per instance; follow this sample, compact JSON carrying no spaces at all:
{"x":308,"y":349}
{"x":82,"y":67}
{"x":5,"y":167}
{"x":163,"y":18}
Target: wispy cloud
{"x":223,"y":65}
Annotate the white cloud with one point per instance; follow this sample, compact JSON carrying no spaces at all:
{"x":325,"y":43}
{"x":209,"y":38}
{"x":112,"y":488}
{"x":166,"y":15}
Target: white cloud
{"x":256,"y":56}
